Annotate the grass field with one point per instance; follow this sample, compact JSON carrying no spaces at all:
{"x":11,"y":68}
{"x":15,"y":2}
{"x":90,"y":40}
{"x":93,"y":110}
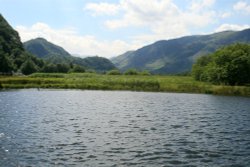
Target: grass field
{"x":91,"y":81}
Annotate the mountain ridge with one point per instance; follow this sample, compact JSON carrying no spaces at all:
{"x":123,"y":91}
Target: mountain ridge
{"x":177,"y":55}
{"x":43,"y":48}
{"x":53,"y":53}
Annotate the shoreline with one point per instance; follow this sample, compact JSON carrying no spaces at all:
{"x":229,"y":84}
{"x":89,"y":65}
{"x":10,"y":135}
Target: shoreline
{"x":152,"y":83}
{"x":131,"y":91}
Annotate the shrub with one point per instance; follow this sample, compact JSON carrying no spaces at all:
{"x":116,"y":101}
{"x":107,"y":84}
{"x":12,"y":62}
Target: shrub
{"x":78,"y":69}
{"x":145,"y":72}
{"x":114,"y":72}
{"x":131,"y":72}
{"x":29,"y":67}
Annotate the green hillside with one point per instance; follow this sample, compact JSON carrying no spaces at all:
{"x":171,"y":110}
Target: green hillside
{"x":13,"y":57}
{"x":177,"y":55}
{"x":44,"y":49}
{"x":52,"y":53}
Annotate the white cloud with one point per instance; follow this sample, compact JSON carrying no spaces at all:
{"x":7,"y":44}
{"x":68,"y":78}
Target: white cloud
{"x":162,"y":17}
{"x":199,"y":5}
{"x":102,"y":8}
{"x":225,"y":15}
{"x":74,"y":43}
{"x":234,"y":27}
{"x":242,"y":7}
{"x":141,"y":13}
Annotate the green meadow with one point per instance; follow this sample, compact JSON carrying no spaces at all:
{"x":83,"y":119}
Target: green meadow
{"x":92,"y":81}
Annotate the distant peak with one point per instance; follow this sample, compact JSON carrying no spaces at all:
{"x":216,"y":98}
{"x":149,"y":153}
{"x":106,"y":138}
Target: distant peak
{"x":40,"y":38}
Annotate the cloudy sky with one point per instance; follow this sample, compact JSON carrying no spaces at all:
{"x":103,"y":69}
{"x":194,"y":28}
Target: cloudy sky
{"x":111,"y":27}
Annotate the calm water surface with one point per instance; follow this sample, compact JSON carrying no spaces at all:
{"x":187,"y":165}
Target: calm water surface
{"x":102,"y":128}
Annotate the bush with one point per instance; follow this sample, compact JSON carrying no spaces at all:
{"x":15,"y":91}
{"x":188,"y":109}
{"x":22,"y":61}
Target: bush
{"x":145,"y":72}
{"x":78,"y":69}
{"x":29,"y":67}
{"x":114,"y":72}
{"x":62,"y":68}
{"x":131,"y":72}
{"x":49,"y":68}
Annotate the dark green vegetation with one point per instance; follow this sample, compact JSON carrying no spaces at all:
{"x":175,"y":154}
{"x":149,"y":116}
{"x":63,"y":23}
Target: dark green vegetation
{"x":229,"y":65}
{"x":13,"y":57}
{"x":94,"y":81}
{"x":177,"y":55}
{"x":43,"y":56}
{"x":54,"y":54}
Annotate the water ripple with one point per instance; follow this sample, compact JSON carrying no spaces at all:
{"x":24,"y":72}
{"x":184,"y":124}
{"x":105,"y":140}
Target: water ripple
{"x":102,"y":128}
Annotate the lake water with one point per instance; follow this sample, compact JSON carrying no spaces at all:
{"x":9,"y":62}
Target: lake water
{"x":109,"y":128}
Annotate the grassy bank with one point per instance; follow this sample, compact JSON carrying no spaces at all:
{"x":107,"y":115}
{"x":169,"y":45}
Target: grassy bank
{"x":90,"y":81}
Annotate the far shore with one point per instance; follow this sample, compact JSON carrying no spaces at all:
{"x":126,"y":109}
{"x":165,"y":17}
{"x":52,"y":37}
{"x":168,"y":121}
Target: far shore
{"x":147,"y":83}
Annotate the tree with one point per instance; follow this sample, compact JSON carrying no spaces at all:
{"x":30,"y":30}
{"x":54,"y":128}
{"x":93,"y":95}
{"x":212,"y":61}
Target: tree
{"x":29,"y":67}
{"x":62,"y":68}
{"x":131,"y":72}
{"x":114,"y":72}
{"x":5,"y":64}
{"x":77,"y":68}
{"x":198,"y":67}
{"x":49,"y":68}
{"x":229,"y":65}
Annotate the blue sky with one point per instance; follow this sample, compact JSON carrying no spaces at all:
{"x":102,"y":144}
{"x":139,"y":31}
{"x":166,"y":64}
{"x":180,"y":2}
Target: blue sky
{"x":111,"y":27}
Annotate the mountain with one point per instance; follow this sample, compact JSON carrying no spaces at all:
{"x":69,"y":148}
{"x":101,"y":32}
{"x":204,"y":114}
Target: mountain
{"x":97,"y":63}
{"x":177,"y":55}
{"x":56,"y":54}
{"x":39,"y":55}
{"x":9,"y":38}
{"x":44,"y":49}
{"x":13,"y":56}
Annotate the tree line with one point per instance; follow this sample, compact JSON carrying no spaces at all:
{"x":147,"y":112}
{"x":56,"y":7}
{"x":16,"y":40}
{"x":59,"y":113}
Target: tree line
{"x":26,"y":64}
{"x":229,"y":65}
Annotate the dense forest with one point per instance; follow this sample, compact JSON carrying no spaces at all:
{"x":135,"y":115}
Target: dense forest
{"x":229,"y":65}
